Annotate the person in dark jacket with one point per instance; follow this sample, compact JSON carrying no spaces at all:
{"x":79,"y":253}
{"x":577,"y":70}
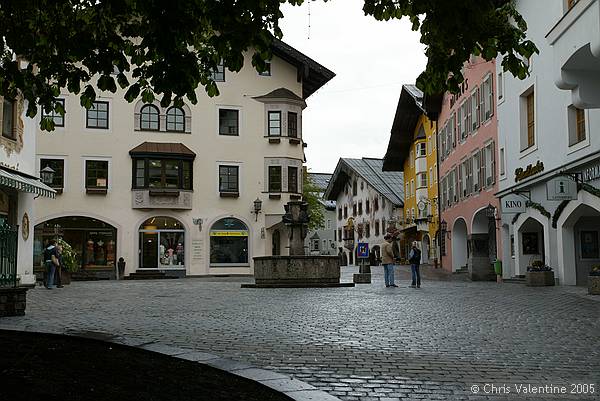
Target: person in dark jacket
{"x":414,"y":257}
{"x":50,"y":262}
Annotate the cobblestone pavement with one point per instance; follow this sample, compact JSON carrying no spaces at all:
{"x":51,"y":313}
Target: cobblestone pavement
{"x":363,"y":343}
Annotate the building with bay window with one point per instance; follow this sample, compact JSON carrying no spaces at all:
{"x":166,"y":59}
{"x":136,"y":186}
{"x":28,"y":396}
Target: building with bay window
{"x":185,"y":191}
{"x":549,"y":144}
{"x":369,"y":203}
{"x":412,"y":149}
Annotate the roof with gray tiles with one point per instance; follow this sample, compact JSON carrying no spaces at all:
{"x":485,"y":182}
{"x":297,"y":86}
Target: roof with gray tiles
{"x":390,"y":184}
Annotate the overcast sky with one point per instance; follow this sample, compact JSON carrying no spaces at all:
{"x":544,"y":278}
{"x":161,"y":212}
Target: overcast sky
{"x":352,"y":115}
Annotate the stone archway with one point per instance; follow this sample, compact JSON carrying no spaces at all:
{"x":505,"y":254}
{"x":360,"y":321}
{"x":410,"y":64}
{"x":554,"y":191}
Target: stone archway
{"x":578,"y":237}
{"x":459,"y":244}
{"x":482,"y":247}
{"x":530,"y":241}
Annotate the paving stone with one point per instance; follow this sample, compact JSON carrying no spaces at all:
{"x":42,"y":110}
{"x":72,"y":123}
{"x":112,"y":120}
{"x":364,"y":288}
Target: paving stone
{"x":402,"y":344}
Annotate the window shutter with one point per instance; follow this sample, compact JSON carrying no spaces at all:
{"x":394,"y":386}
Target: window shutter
{"x":460,"y":181}
{"x":476,"y":118}
{"x":493,"y":164}
{"x":482,"y":94}
{"x":491,"y":95}
{"x":482,"y":162}
{"x":453,"y":131}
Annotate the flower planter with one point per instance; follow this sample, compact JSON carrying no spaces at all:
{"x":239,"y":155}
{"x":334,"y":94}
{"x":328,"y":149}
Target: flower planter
{"x":66,"y":277}
{"x":539,"y":279}
{"x":594,"y":285}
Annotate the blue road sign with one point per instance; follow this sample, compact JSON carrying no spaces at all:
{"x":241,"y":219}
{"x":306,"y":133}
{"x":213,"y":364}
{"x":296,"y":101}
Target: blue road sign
{"x":363,"y":250}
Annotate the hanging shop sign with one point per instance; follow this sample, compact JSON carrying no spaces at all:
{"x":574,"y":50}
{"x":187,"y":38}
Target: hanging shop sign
{"x":513,"y":204}
{"x":591,"y":173}
{"x":561,"y":188}
{"x":529,"y":171}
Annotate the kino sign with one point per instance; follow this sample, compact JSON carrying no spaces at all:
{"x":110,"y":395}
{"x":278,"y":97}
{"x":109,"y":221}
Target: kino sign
{"x":514,"y":203}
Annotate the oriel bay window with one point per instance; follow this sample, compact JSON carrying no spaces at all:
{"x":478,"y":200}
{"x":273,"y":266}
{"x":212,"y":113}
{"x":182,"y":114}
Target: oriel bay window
{"x":293,"y":179}
{"x":274,"y":178}
{"x":274,"y":123}
{"x":162,"y":174}
{"x":96,"y":176}
{"x":293,"y":125}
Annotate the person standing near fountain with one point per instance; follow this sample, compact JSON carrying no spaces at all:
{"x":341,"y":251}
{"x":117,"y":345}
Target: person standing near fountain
{"x":387,"y":259}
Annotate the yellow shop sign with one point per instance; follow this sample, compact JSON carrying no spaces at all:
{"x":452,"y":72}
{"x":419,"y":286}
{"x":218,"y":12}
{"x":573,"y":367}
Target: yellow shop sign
{"x":238,"y":233}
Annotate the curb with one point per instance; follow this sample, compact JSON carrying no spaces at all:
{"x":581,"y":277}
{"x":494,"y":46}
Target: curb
{"x":295,"y":389}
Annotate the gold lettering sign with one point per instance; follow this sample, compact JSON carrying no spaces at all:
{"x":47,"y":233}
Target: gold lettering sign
{"x":530,"y":170}
{"x":240,"y":233}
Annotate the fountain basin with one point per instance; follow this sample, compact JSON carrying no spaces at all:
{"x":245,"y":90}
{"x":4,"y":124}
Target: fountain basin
{"x":296,"y":271}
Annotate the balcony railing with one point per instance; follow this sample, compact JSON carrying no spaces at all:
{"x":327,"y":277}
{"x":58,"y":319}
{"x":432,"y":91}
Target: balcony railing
{"x":8,"y":256}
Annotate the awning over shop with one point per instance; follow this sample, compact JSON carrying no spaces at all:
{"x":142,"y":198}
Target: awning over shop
{"x":25,"y":183}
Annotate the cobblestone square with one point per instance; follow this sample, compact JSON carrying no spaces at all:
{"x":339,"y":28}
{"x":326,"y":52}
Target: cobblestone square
{"x":362,"y":343}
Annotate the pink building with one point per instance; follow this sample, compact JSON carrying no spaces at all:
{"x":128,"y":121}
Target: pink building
{"x":467,"y":136}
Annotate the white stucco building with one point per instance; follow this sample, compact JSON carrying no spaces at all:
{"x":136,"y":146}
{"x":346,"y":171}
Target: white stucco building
{"x":196,"y":190}
{"x":369,"y":202}
{"x":20,"y":189}
{"x":549,"y":143}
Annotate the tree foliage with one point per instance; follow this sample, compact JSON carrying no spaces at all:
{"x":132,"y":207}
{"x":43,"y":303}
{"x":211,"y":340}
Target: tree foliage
{"x":452,"y":31}
{"x":311,"y":194}
{"x":166,"y":50}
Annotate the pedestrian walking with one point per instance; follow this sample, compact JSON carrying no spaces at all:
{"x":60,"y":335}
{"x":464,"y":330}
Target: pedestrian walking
{"x":50,"y":262}
{"x":414,"y":258}
{"x":387,"y":259}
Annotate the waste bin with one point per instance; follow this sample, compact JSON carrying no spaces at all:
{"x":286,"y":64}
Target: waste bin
{"x":498,"y":267}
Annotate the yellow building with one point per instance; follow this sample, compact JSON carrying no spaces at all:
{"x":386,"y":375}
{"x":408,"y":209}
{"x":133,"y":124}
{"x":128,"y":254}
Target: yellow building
{"x":412,"y":149}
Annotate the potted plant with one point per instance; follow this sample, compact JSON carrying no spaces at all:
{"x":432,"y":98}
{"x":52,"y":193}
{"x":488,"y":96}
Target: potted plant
{"x":539,"y":274}
{"x":70,"y":264}
{"x":594,"y":281}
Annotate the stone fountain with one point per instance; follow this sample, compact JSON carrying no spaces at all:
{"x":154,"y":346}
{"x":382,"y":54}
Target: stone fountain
{"x":298,"y":269}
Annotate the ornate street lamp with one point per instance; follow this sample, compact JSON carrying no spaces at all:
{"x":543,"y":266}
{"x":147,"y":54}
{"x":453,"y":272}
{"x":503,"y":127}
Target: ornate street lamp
{"x":47,"y":175}
{"x":257,"y":207}
{"x":490,"y":211}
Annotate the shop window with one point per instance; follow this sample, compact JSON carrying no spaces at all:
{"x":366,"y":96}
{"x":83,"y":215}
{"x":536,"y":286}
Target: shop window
{"x":58,"y":165}
{"x":149,"y":118}
{"x":8,"y":118}
{"x":293,"y":179}
{"x":274,"y":123}
{"x":97,"y":115}
{"x":219,"y":73}
{"x":59,"y":121}
{"x":229,"y":122}
{"x":275,"y":179}
{"x":175,"y":119}
{"x":96,"y":176}
{"x":157,"y":173}
{"x":229,"y":243}
{"x":93,"y":241}
{"x":162,"y":244}
{"x":229,"y":180}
